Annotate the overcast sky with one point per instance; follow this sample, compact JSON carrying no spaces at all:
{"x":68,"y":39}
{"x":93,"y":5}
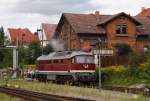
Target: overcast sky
{"x":31,"y":13}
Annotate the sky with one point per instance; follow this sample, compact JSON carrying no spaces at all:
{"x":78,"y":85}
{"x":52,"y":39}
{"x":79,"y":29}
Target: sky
{"x":31,"y":13}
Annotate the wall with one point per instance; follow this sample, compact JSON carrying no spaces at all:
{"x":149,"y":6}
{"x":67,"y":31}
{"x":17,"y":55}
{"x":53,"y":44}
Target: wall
{"x":68,"y":36}
{"x":141,"y":43}
{"x":113,"y":39}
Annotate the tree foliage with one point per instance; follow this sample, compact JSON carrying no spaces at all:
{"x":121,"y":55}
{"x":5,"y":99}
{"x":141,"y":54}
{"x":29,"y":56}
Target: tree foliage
{"x":2,"y":36}
{"x":123,"y":49}
{"x":48,"y":49}
{"x":27,"y":54}
{"x":33,"y":52}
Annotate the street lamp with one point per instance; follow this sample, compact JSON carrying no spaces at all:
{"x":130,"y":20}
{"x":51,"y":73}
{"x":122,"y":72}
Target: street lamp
{"x":40,"y":30}
{"x":98,"y":44}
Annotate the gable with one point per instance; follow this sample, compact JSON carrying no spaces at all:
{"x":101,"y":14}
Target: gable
{"x":49,"y":30}
{"x":114,"y":17}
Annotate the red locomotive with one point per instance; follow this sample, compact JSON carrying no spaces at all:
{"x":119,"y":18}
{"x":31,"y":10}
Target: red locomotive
{"x":72,"y":66}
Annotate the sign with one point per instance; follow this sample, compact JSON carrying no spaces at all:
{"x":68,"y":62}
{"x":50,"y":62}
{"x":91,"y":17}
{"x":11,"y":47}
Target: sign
{"x":103,"y":52}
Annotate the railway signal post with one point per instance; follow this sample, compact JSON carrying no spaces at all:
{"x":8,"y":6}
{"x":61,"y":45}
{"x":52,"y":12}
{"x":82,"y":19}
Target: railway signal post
{"x":99,"y":63}
{"x":99,"y":44}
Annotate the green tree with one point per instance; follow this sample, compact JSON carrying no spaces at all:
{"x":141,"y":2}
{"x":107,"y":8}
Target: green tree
{"x":2,"y":36}
{"x":48,"y":49}
{"x":33,"y":52}
{"x":136,"y":58}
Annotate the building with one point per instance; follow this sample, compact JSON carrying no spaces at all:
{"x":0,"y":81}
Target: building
{"x":144,"y":12}
{"x":24,"y":36}
{"x":79,"y":31}
{"x":47,"y":32}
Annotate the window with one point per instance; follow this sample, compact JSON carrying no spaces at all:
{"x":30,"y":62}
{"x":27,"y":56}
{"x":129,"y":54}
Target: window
{"x":73,"y":60}
{"x":80,"y":59}
{"x":61,"y":61}
{"x":85,"y":59}
{"x":56,"y":61}
{"x":81,"y":40}
{"x":121,"y":29}
{"x":90,"y":59}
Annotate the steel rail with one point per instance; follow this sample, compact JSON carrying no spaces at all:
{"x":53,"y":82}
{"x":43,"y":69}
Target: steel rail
{"x":37,"y":96}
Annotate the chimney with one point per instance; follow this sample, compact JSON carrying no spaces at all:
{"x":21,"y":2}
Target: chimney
{"x":97,"y":15}
{"x":143,"y":8}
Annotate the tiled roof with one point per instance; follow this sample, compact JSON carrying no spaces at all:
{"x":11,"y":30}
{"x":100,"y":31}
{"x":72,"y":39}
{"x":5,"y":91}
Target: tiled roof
{"x":84,"y":23}
{"x":110,"y":18}
{"x":24,"y":36}
{"x":145,"y":12}
{"x":145,"y":27}
{"x":49,"y":30}
{"x":88,"y":23}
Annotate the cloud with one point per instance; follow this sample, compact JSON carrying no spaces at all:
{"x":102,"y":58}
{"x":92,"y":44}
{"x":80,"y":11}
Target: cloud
{"x":31,"y":21}
{"x":31,"y":13}
{"x":115,"y":6}
{"x":7,"y":5}
{"x":53,"y":7}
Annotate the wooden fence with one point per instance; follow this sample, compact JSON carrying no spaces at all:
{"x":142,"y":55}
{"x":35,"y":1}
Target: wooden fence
{"x":114,"y":60}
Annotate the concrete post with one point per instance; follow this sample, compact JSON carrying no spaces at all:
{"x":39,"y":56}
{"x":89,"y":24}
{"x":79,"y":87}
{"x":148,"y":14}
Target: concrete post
{"x":14,"y":63}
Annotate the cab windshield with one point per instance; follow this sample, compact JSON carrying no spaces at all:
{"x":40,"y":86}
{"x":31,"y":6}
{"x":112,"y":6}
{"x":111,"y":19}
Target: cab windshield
{"x":84,"y":59}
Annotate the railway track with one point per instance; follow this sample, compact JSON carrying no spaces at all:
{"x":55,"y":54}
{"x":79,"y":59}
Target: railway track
{"x":37,"y":96}
{"x":125,"y":89}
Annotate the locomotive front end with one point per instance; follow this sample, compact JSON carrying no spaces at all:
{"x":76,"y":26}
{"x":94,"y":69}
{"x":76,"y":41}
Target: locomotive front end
{"x":84,"y":67}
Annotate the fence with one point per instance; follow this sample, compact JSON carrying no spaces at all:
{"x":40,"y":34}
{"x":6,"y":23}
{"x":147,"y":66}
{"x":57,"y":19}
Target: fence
{"x":114,"y":60}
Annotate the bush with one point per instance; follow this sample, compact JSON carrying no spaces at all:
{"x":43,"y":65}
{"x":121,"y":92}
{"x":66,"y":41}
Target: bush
{"x":110,"y":72}
{"x":133,"y":67}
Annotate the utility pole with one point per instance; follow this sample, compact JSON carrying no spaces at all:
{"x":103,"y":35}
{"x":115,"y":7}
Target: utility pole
{"x":98,"y":44}
{"x":99,"y":65}
{"x":40,"y":30}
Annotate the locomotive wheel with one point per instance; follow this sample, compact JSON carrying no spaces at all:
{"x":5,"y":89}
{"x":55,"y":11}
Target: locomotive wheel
{"x":64,"y":79}
{"x":69,"y":80}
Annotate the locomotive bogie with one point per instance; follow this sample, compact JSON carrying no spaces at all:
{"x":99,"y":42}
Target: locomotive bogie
{"x":83,"y":77}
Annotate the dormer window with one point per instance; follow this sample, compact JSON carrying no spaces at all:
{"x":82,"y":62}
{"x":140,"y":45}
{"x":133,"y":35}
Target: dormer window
{"x":121,"y":29}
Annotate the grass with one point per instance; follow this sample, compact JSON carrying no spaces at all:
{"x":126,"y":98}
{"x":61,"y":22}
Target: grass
{"x":4,"y":97}
{"x":66,"y":90}
{"x":123,"y":82}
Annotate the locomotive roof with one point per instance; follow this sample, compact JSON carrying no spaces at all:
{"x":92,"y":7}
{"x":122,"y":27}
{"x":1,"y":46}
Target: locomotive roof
{"x":62,"y":55}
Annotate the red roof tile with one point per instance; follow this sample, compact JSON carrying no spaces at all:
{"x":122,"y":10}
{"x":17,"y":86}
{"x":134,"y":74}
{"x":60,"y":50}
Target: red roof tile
{"x":24,"y":36}
{"x":145,"y":12}
{"x":49,"y":30}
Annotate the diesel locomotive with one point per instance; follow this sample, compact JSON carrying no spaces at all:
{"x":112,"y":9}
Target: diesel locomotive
{"x":70,"y":66}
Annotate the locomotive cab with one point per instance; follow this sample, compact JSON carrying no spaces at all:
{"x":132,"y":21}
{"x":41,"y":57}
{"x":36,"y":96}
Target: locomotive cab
{"x":81,"y":63}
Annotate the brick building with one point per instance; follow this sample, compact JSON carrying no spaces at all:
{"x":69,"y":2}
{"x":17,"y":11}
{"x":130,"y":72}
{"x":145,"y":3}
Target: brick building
{"x":79,"y":31}
{"x":144,"y":12}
